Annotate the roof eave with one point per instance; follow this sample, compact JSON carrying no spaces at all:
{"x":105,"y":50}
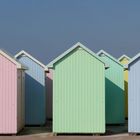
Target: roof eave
{"x":123,"y":56}
{"x":126,"y":67}
{"x":31,"y":57}
{"x":22,"y":67}
{"x":50,"y":65}
{"x":111,"y":57}
{"x":46,"y":69}
{"x":134,"y":59}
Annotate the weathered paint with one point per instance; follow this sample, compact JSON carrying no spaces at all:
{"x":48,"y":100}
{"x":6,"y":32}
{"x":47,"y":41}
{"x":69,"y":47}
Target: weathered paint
{"x":49,"y":92}
{"x":35,"y":93}
{"x":124,"y":60}
{"x":11,"y":96}
{"x":78,"y":93}
{"x":115,"y":113}
{"x":134,"y":96}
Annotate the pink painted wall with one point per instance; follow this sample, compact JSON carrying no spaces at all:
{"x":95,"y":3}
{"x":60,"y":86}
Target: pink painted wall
{"x":8,"y":96}
{"x":49,"y":90}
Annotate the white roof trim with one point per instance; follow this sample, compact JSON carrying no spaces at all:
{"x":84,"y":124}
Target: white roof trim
{"x":31,"y":57}
{"x":124,"y":56}
{"x":133,"y":59}
{"x":19,"y":66}
{"x":110,"y":56}
{"x":50,"y":65}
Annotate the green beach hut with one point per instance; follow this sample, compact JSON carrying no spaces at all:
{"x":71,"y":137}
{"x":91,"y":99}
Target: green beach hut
{"x":114,"y":89}
{"x":78,"y":92}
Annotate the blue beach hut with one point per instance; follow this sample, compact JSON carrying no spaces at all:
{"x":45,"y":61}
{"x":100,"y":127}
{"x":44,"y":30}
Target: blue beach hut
{"x":35,"y":92}
{"x":134,"y":94}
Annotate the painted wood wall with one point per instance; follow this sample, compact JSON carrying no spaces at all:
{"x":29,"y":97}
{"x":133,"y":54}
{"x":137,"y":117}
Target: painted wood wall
{"x":114,"y":85}
{"x":134,"y":97}
{"x":125,"y":61}
{"x":49,"y":92}
{"x":35,"y":92}
{"x":79,"y":94}
{"x":20,"y":99}
{"x":10,"y":117}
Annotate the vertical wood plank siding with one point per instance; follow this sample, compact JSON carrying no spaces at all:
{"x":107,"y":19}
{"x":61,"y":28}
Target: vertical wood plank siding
{"x":20,"y":99}
{"x":49,"y":91}
{"x":134,"y":97}
{"x":79,"y":94}
{"x":125,"y":61}
{"x":8,"y":96}
{"x":35,"y":93}
{"x":115,"y":107}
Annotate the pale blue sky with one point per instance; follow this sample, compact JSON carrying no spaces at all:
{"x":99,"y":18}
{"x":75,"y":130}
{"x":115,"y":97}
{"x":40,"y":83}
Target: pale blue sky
{"x":46,"y":28}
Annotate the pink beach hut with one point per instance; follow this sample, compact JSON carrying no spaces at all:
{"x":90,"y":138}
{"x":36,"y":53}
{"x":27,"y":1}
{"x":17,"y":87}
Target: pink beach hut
{"x":11,"y":94}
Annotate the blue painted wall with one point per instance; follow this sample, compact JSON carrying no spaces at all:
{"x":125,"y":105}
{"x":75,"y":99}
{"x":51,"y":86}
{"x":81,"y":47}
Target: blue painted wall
{"x":35,"y":94}
{"x":134,"y":97}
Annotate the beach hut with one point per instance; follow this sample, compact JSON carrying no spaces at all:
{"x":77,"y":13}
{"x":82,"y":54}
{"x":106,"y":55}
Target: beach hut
{"x":11,"y":94}
{"x":114,"y":85}
{"x":35,"y":90}
{"x":134,"y":94}
{"x":125,"y":60}
{"x":78,"y":91}
{"x":49,"y":92}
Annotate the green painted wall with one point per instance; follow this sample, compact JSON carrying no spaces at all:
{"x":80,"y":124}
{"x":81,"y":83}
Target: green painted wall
{"x":79,"y":94}
{"x":115,"y":99}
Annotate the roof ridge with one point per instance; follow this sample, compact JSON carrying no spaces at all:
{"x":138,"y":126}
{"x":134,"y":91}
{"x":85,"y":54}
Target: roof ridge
{"x":133,"y":59}
{"x":31,"y":57}
{"x":124,"y":56}
{"x":12,"y":59}
{"x":110,"y":56}
{"x":78,"y":44}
